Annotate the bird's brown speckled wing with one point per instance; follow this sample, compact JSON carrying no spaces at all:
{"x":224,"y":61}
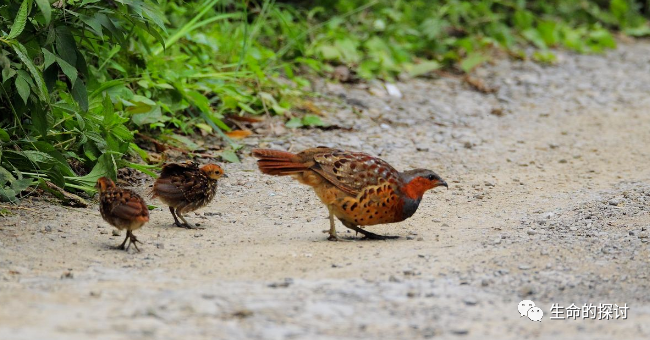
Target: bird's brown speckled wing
{"x":196,"y":186}
{"x":124,"y":204}
{"x":352,"y":172}
{"x":183,"y":181}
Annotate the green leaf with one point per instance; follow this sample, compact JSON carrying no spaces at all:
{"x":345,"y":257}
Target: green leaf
{"x":105,"y":86}
{"x":25,"y":75}
{"x":23,"y":88}
{"x":246,"y":107}
{"x":424,"y":68}
{"x":229,"y":156}
{"x":39,"y":120}
{"x":153,"y":115}
{"x":329,"y":52}
{"x":140,"y":167}
{"x":546,"y":57}
{"x":44,"y":6}
{"x":523,"y":19}
{"x":21,"y":20}
{"x":21,"y":184}
{"x":294,"y":122}
{"x":548,"y":32}
{"x":188,"y":143}
{"x":36,"y":157}
{"x":105,"y":167}
{"x":312,"y":120}
{"x":198,"y":100}
{"x":472,"y":61}
{"x":534,"y":37}
{"x":80,"y":94}
{"x":7,"y":195}
{"x":66,"y":47}
{"x":7,"y":73}
{"x":4,"y":136}
{"x":69,"y":70}
{"x":38,"y":77}
{"x":640,"y":31}
{"x":93,"y":22}
{"x":619,"y":9}
{"x":599,"y":39}
{"x":49,"y":58}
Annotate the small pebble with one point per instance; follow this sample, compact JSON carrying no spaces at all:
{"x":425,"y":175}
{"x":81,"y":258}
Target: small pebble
{"x":615,"y":201}
{"x":470,"y":301}
{"x":460,"y":331}
{"x":115,"y":232}
{"x":409,"y":272}
{"x":393,"y":278}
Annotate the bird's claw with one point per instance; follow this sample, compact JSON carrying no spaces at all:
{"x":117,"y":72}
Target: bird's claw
{"x":187,"y":226}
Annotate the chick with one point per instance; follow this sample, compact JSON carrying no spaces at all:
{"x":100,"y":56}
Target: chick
{"x":185,"y":187}
{"x":123,"y":209}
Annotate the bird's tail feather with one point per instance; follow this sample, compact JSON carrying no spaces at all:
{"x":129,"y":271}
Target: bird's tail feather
{"x":278,"y":163}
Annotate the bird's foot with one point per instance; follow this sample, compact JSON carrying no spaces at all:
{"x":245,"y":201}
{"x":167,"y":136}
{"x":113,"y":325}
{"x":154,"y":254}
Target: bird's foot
{"x":334,"y":237}
{"x":133,"y":241}
{"x":188,"y":226}
{"x":371,"y":236}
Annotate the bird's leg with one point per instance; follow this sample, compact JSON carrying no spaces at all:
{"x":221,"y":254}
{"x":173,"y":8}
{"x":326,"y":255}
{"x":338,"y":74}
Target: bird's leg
{"x":176,"y":222}
{"x":368,"y":235}
{"x":132,"y":240}
{"x":135,"y":241}
{"x":332,"y":231}
{"x":121,"y":246}
{"x":128,"y":235}
{"x":186,"y":224}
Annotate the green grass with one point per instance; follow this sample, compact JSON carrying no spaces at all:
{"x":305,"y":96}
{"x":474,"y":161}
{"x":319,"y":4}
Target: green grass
{"x":79,"y":78}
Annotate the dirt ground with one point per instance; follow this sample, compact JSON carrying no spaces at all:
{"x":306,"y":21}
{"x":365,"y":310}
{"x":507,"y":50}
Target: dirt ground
{"x":549,"y":200}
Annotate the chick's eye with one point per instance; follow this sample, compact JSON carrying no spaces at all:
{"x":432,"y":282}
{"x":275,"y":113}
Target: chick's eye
{"x":431,"y":177}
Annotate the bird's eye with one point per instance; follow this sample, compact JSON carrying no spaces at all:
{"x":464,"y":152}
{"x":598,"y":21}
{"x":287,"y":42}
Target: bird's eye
{"x":431,"y":177}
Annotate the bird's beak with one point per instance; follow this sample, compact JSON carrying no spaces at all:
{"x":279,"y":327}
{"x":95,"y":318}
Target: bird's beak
{"x":442,"y":183}
{"x":224,"y":176}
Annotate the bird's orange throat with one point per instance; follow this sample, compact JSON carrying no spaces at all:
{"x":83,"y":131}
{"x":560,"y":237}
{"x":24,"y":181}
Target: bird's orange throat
{"x":416,"y":188}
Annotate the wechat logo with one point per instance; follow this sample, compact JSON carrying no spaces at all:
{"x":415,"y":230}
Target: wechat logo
{"x":528,"y":308}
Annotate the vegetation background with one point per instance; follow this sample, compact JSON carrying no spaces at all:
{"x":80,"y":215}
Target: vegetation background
{"x":85,"y":83}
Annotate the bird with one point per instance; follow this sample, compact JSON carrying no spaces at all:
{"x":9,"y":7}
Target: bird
{"x":185,"y":187}
{"x":357,"y":188}
{"x":123,"y":209}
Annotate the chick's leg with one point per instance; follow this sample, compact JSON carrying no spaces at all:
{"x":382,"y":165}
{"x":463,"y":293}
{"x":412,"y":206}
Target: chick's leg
{"x":176,"y":222}
{"x":121,"y":246}
{"x":186,"y":224}
{"x":132,"y":240}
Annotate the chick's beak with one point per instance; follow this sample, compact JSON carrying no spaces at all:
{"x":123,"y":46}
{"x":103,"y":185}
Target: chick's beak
{"x":224,"y":176}
{"x":442,"y":183}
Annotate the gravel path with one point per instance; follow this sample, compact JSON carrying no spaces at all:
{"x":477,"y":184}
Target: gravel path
{"x":549,"y":201}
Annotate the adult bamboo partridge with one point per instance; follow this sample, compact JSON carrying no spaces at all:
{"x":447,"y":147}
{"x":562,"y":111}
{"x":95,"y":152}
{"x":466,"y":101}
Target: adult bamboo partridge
{"x":123,"y":209}
{"x":357,"y":188}
{"x":185,"y":187}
